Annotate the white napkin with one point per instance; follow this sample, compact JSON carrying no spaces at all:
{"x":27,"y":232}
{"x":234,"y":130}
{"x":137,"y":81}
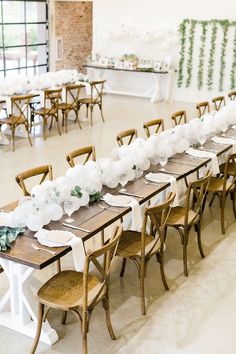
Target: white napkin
{"x":200,"y":153}
{"x":226,"y":141}
{"x":165,"y":178}
{"x":135,"y":223}
{"x":59,"y":238}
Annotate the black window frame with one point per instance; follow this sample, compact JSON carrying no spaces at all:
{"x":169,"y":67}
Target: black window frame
{"x":4,"y":47}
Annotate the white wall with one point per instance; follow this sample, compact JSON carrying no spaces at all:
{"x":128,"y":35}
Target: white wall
{"x":146,"y":16}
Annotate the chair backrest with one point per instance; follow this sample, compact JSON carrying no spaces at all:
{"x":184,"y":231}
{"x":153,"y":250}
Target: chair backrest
{"x":20,"y":107}
{"x":230,"y":164}
{"x":130,"y":134}
{"x":196,"y":192}
{"x":232,"y":95}
{"x":97,"y":91}
{"x":157,"y":124}
{"x":52,"y":98}
{"x":88,"y":151}
{"x":42,"y":170}
{"x":72,"y":95}
{"x":179,"y":118}
{"x":202,"y":108}
{"x":157,"y":216}
{"x":108,"y":252}
{"x":218,"y":102}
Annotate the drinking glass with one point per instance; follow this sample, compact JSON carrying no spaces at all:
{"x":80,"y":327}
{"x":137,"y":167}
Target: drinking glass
{"x":69,"y":207}
{"x":163,"y":161}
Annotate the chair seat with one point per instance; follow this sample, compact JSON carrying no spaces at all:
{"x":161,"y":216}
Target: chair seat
{"x":13,"y":120}
{"x":65,"y":290}
{"x":88,"y":100}
{"x":231,"y":169}
{"x":64,"y":105}
{"x":130,"y":244}
{"x":177,"y":214}
{"x":44,"y":111}
{"x":216,"y":185}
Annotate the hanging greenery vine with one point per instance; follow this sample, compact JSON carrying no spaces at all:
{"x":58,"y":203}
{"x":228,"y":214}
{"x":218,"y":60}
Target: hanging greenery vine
{"x":186,"y":58}
{"x":225,"y":26}
{"x":190,"y":52}
{"x":202,"y":56}
{"x":212,"y":55}
{"x":233,"y":68}
{"x":182,"y":31}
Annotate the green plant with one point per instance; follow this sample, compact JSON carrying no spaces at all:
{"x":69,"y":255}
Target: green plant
{"x":212,"y":55}
{"x":182,"y":31}
{"x":200,"y":74}
{"x":76,"y":192}
{"x":233,"y":68}
{"x":190,"y":52}
{"x":95,"y":197}
{"x":225,"y":27}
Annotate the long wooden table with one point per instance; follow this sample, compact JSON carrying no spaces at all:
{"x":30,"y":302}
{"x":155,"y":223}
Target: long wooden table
{"x":22,"y":260}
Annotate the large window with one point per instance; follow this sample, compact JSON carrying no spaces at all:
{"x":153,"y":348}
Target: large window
{"x":23,"y":37}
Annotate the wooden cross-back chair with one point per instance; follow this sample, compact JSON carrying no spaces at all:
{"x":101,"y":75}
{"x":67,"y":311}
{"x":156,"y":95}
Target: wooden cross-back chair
{"x":20,"y":107}
{"x":218,"y":102}
{"x":139,"y":247}
{"x":71,"y":103}
{"x":88,"y":152}
{"x":52,"y":98}
{"x":203,"y":108}
{"x":222,"y":187}
{"x":183,"y":218}
{"x":45,"y":171}
{"x":96,"y":98}
{"x":80,"y":292}
{"x":157,"y":124}
{"x":130,"y":134}
{"x":179,"y":118}
{"x":232,"y":95}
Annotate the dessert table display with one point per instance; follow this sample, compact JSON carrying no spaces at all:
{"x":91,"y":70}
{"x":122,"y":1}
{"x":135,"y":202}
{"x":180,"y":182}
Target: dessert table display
{"x":121,"y":174}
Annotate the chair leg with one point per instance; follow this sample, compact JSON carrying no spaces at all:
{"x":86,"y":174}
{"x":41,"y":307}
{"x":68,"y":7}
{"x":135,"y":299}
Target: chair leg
{"x":57,"y":120}
{"x":58,"y":263}
{"x":39,"y":328}
{"x":222,"y":214}
{"x":122,"y":271}
{"x":142,"y":293}
{"x":13,"y":137}
{"x":77,"y":117}
{"x":100,"y":106}
{"x":106,"y":306}
{"x":233,"y":201}
{"x":64,"y":317}
{"x":27,"y":130}
{"x":212,"y":200}
{"x":91,"y":115}
{"x":66,"y":120}
{"x":198,"y":230}
{"x":185,"y":258}
{"x":160,"y":259}
{"x":44,"y":128}
{"x":85,"y":332}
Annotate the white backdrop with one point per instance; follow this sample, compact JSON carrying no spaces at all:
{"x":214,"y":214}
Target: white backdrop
{"x":148,"y":29}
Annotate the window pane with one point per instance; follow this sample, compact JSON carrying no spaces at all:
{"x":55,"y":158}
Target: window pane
{"x":15,"y":57}
{"x":1,"y":43}
{"x":13,"y":11}
{"x":42,"y":54}
{"x":14,"y":35}
{"x":35,"y":11}
{"x":36,"y":34}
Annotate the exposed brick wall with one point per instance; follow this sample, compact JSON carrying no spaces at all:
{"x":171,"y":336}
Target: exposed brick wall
{"x":73,"y":22}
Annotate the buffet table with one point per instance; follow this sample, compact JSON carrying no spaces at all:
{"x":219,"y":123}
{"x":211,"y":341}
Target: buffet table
{"x":156,"y":85}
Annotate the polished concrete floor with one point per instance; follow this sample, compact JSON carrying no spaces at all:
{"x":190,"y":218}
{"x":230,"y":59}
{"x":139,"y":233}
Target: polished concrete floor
{"x":197,"y":315}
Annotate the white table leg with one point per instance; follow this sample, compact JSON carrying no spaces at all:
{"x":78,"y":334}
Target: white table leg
{"x":3,"y":138}
{"x":169,"y":86}
{"x":157,"y":90}
{"x":18,"y":307}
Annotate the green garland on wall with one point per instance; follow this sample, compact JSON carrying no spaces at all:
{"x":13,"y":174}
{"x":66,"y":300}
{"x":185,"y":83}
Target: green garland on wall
{"x":212,"y":55}
{"x":233,"y":68}
{"x":202,"y":55}
{"x":187,"y":40}
{"x":190,"y":53}
{"x":225,"y":28}
{"x":182,"y":30}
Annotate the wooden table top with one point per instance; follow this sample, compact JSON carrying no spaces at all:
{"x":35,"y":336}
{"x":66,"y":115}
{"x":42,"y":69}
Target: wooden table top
{"x":95,"y":219}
